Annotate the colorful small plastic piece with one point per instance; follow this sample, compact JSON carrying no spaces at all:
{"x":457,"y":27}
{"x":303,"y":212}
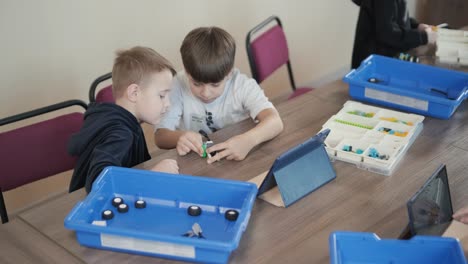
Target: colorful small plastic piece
{"x":373,"y":153}
{"x":347,"y":148}
{"x":206,"y":145}
{"x":361,"y":113}
{"x":395,"y":120}
{"x":393,"y":132}
{"x":353,"y":124}
{"x":384,"y":157}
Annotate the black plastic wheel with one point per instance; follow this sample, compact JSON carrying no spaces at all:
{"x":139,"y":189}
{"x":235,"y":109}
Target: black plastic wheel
{"x":107,"y":214}
{"x":194,"y":210}
{"x":140,"y":204}
{"x":117,"y":201}
{"x":231,"y":215}
{"x":123,"y":208}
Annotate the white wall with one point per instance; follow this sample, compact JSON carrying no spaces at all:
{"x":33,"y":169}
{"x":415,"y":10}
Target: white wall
{"x":51,"y":50}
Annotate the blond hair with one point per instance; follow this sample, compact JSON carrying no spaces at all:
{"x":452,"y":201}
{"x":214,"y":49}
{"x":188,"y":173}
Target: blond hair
{"x":134,"y":66}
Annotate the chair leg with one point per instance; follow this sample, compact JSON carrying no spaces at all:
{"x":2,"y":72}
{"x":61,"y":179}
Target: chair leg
{"x":3,"y":211}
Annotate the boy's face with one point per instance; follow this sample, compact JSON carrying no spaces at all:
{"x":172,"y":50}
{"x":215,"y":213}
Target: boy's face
{"x":153,"y":97}
{"x":207,"y":92}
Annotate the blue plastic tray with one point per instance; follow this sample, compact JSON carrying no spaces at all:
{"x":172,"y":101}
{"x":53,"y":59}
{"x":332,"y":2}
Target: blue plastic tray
{"x":158,"y":229}
{"x":413,"y":87}
{"x":355,"y":247}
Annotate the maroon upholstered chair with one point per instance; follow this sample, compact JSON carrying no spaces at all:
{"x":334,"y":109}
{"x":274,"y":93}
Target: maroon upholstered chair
{"x":105,"y":94}
{"x":268,"y":51}
{"x":33,"y":152}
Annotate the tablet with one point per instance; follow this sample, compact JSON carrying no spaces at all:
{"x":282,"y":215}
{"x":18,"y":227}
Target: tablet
{"x":307,"y":162}
{"x":430,"y":209}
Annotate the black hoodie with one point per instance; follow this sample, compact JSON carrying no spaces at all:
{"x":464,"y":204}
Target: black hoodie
{"x":110,"y":136}
{"x":384,"y":28}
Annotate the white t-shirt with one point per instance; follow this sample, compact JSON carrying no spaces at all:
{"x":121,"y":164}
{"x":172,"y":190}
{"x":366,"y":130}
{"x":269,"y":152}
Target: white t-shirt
{"x":242,"y":97}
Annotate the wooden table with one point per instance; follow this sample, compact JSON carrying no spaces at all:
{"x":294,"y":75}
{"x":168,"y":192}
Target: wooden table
{"x":356,"y":200}
{"x":22,"y":243}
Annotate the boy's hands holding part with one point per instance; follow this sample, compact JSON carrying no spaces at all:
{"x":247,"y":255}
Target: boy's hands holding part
{"x":167,"y":165}
{"x":236,"y":148}
{"x":189,"y":141}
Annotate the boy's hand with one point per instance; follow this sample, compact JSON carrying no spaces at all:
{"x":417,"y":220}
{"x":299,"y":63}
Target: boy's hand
{"x":422,"y":27}
{"x":462,"y":215}
{"x":167,"y":165}
{"x":236,"y":148}
{"x":189,"y":141}
{"x":431,"y":36}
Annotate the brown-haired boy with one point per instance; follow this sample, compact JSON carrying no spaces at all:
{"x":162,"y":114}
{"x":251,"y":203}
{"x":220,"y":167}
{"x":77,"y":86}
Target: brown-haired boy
{"x":209,"y":95}
{"x":111,"y":134}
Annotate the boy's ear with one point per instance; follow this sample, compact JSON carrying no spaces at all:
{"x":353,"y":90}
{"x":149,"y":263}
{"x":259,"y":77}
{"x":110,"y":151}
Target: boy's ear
{"x":132,"y":92}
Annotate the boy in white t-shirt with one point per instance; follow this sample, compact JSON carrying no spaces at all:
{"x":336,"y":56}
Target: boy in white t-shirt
{"x":209,"y":95}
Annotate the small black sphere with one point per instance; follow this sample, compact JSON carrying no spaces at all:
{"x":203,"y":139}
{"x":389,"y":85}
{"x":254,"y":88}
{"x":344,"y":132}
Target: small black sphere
{"x":107,"y":214}
{"x":231,"y":215}
{"x":194,"y":210}
{"x":117,"y":201}
{"x":140,"y":204}
{"x":123,"y":208}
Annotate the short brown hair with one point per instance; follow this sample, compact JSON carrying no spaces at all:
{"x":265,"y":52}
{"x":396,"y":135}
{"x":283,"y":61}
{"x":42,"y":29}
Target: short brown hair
{"x":208,"y":54}
{"x":134,"y":66}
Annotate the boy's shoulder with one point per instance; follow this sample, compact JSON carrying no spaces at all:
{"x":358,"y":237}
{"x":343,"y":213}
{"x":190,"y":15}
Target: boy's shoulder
{"x":110,"y":114}
{"x":240,"y":82}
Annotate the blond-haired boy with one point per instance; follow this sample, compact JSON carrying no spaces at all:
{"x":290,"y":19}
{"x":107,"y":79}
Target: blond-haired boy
{"x":111,"y":134}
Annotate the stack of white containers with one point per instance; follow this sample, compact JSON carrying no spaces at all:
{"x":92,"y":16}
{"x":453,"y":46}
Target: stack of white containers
{"x":452,"y":46}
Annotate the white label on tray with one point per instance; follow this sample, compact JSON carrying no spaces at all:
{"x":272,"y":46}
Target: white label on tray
{"x":396,"y":99}
{"x":156,"y":247}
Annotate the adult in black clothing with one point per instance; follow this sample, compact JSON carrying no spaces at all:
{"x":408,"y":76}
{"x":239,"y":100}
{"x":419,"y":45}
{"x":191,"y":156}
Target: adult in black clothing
{"x":385,"y":28}
{"x":111,"y":134}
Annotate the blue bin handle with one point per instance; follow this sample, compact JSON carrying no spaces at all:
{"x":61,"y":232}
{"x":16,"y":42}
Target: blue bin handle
{"x":349,"y":75}
{"x":465,"y":90}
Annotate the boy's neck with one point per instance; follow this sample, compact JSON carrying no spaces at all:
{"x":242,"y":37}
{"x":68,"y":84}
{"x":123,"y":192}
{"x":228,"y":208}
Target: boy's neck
{"x":127,"y":105}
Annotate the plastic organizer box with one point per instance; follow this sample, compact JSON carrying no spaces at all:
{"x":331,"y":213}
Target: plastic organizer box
{"x":371,"y":137}
{"x":412,"y":87}
{"x":183,"y":217}
{"x":356,"y":247}
{"x":452,"y":46}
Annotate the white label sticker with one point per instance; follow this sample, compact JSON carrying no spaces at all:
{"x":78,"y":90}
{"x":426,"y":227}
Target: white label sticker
{"x":396,"y":99}
{"x":156,"y":247}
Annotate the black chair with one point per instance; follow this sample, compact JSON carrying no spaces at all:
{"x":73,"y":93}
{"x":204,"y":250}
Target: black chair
{"x":105,"y":94}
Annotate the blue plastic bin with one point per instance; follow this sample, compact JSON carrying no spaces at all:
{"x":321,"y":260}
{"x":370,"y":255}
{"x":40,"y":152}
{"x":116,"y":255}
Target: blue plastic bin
{"x":356,"y":247}
{"x":158,"y":230}
{"x":412,"y":87}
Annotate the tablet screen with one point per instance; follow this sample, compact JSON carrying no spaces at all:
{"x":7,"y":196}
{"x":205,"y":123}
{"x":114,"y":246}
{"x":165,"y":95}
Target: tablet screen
{"x":313,"y":169}
{"x":430,"y":209}
{"x":307,"y":162}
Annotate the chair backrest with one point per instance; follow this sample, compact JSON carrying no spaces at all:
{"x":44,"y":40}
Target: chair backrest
{"x":105,"y":94}
{"x":268,"y":51}
{"x":39,"y":150}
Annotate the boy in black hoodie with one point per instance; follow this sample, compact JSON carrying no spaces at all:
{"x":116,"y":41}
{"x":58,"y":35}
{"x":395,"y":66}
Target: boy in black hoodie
{"x":111,"y":134}
{"x":385,"y":28}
